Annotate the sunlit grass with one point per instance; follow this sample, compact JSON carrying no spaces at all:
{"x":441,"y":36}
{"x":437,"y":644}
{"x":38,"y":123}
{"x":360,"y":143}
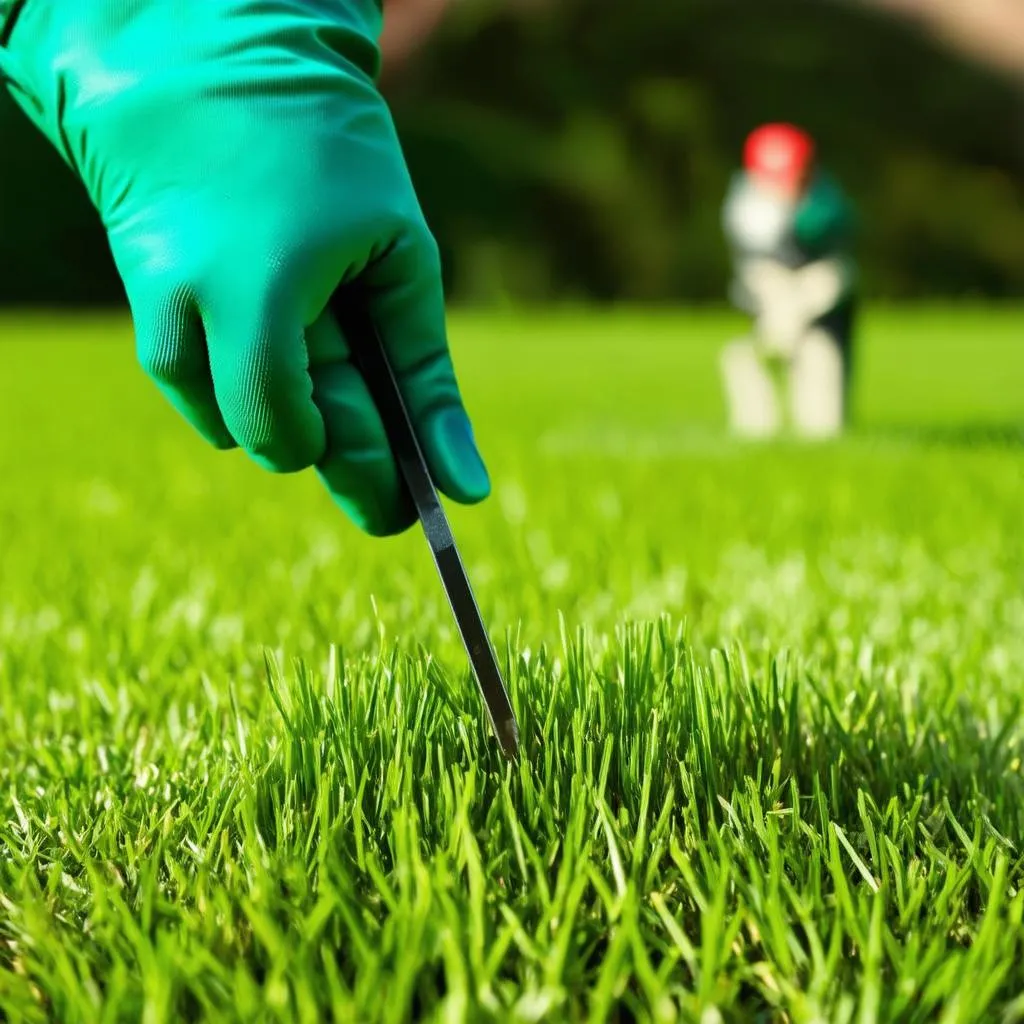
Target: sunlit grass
{"x":770,"y":699}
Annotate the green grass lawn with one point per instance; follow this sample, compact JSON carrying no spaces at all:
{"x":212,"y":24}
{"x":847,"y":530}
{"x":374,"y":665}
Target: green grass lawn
{"x":770,"y":698}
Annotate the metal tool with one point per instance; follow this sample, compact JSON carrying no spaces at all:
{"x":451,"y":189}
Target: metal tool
{"x":370,"y":356}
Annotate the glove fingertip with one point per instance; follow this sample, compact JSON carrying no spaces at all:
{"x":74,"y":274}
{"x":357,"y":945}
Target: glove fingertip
{"x":455,"y":457}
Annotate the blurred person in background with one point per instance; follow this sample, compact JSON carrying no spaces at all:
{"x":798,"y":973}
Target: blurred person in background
{"x":790,"y":230}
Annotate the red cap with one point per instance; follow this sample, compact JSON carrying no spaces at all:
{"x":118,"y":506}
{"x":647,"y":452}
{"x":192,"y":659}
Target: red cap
{"x":782,"y":153}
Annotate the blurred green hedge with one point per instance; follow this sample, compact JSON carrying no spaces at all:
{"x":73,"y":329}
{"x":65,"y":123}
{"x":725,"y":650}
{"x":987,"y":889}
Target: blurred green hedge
{"x":581,"y":148}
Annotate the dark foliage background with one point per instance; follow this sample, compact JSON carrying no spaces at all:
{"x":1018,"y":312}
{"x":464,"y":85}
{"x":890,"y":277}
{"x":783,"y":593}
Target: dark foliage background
{"x":580,"y":150}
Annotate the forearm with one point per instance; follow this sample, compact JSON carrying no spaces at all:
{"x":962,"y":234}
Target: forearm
{"x":408,"y":24}
{"x":52,"y":49}
{"x":992,"y":30}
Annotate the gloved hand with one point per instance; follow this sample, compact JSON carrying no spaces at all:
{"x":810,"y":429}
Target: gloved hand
{"x":244,"y":165}
{"x":790,"y":301}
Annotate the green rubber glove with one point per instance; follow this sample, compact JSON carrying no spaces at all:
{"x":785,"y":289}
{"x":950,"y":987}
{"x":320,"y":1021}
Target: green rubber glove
{"x":244,"y":165}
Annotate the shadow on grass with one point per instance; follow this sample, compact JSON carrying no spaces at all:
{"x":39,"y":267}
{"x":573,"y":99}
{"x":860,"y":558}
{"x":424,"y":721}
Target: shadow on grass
{"x":946,"y":435}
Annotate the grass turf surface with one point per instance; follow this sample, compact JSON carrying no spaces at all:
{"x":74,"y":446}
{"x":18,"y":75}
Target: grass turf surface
{"x":770,"y":699}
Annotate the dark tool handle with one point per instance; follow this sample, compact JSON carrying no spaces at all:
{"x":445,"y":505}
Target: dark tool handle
{"x":370,"y":357}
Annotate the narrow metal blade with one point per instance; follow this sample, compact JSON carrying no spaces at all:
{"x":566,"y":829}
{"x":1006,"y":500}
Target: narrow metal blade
{"x":371,"y":358}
